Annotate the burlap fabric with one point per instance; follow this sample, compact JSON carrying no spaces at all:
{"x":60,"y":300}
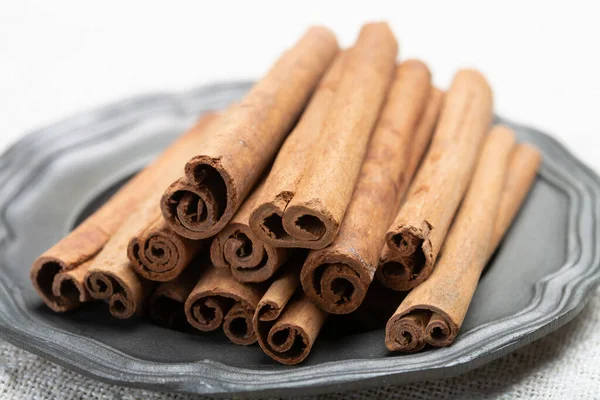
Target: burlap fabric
{"x":563,"y":365}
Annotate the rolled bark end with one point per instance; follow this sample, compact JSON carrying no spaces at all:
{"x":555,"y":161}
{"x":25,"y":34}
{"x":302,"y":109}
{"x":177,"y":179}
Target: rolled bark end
{"x":121,"y":306}
{"x":157,"y":257}
{"x":298,"y":227}
{"x":267,"y":311}
{"x":211,"y":312}
{"x":438,"y":332}
{"x":199,"y":206}
{"x":310,"y":228}
{"x":336,"y":287}
{"x":99,"y":285}
{"x":267,"y":218}
{"x":289,"y":339}
{"x":104,"y":285}
{"x":238,"y":326}
{"x":250,"y":259}
{"x":408,"y":260}
{"x":394,"y":273}
{"x":241,"y":249}
{"x":43,"y":273}
{"x":408,"y":243}
{"x":70,"y":289}
{"x":207,"y":313}
{"x":406,"y":333}
{"x":159,"y":254}
{"x":190,"y":211}
{"x":286,"y":333}
{"x":304,"y":224}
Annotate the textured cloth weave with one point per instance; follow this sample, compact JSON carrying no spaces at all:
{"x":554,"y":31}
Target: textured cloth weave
{"x":563,"y":365}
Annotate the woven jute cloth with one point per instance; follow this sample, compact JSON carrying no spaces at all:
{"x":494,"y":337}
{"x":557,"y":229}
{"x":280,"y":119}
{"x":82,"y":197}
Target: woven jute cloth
{"x":563,"y":365}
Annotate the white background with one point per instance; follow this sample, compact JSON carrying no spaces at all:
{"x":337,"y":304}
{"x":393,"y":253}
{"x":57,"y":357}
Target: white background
{"x":60,"y":57}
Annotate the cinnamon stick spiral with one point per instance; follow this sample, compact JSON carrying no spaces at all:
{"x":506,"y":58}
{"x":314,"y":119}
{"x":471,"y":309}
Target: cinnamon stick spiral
{"x":237,"y":247}
{"x":433,"y":312}
{"x":305,"y":196}
{"x":216,"y":181}
{"x":219,"y":300}
{"x":287,"y":322}
{"x":414,"y":239}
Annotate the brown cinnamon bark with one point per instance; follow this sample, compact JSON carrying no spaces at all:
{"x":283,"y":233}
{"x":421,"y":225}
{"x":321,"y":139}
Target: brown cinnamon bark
{"x":159,"y":254}
{"x":218,"y":299}
{"x":167,"y":302}
{"x":236,"y":247}
{"x":111,"y":274}
{"x":69,"y":286}
{"x":230,"y":162}
{"x":522,"y":171}
{"x":415,"y":237}
{"x":337,"y":277}
{"x":303,"y":205}
{"x":293,"y":158}
{"x":76,"y":251}
{"x":434,"y":311}
{"x":287,"y":322}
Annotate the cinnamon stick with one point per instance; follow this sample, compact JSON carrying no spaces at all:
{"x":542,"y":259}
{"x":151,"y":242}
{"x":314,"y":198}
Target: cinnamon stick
{"x":111,"y":274}
{"x":159,"y":254}
{"x":236,"y":247}
{"x":305,"y":208}
{"x":287,"y":322}
{"x":337,"y":277}
{"x":415,"y":237}
{"x":69,"y":259}
{"x":167,"y":302}
{"x":218,"y":299}
{"x":230,"y":162}
{"x":522,"y":171}
{"x":434,"y":311}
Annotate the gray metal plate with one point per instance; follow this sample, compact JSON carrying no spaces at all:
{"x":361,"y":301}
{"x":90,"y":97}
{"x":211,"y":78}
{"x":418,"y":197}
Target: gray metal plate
{"x":539,"y":279}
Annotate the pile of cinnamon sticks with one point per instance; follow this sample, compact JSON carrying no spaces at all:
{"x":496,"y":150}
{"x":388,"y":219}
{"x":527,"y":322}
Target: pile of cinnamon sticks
{"x":338,"y":168}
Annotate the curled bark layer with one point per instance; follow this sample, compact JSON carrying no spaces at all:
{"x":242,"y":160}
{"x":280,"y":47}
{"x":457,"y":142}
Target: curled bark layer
{"x":76,"y":251}
{"x":230,"y":162}
{"x":337,"y":277}
{"x":433,"y":312}
{"x":159,"y":254}
{"x":287,"y":322}
{"x":414,"y":239}
{"x":219,"y":300}
{"x":303,"y":205}
{"x":236,"y":247}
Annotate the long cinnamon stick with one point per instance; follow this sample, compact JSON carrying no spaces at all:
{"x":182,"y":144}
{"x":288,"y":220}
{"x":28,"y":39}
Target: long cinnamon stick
{"x":166,"y":305}
{"x":76,"y":251}
{"x":287,"y":322}
{"x":230,"y":162}
{"x":522,"y":171}
{"x":293,"y":158}
{"x":308,"y":213}
{"x":415,"y":237}
{"x":337,"y":277}
{"x":236,"y":247}
{"x":218,"y":299}
{"x":111,"y":274}
{"x":434,"y":311}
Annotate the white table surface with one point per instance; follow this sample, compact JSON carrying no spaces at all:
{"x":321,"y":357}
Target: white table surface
{"x":542,"y":60}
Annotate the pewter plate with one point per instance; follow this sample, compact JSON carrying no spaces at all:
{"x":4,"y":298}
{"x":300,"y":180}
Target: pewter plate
{"x":539,"y":279}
